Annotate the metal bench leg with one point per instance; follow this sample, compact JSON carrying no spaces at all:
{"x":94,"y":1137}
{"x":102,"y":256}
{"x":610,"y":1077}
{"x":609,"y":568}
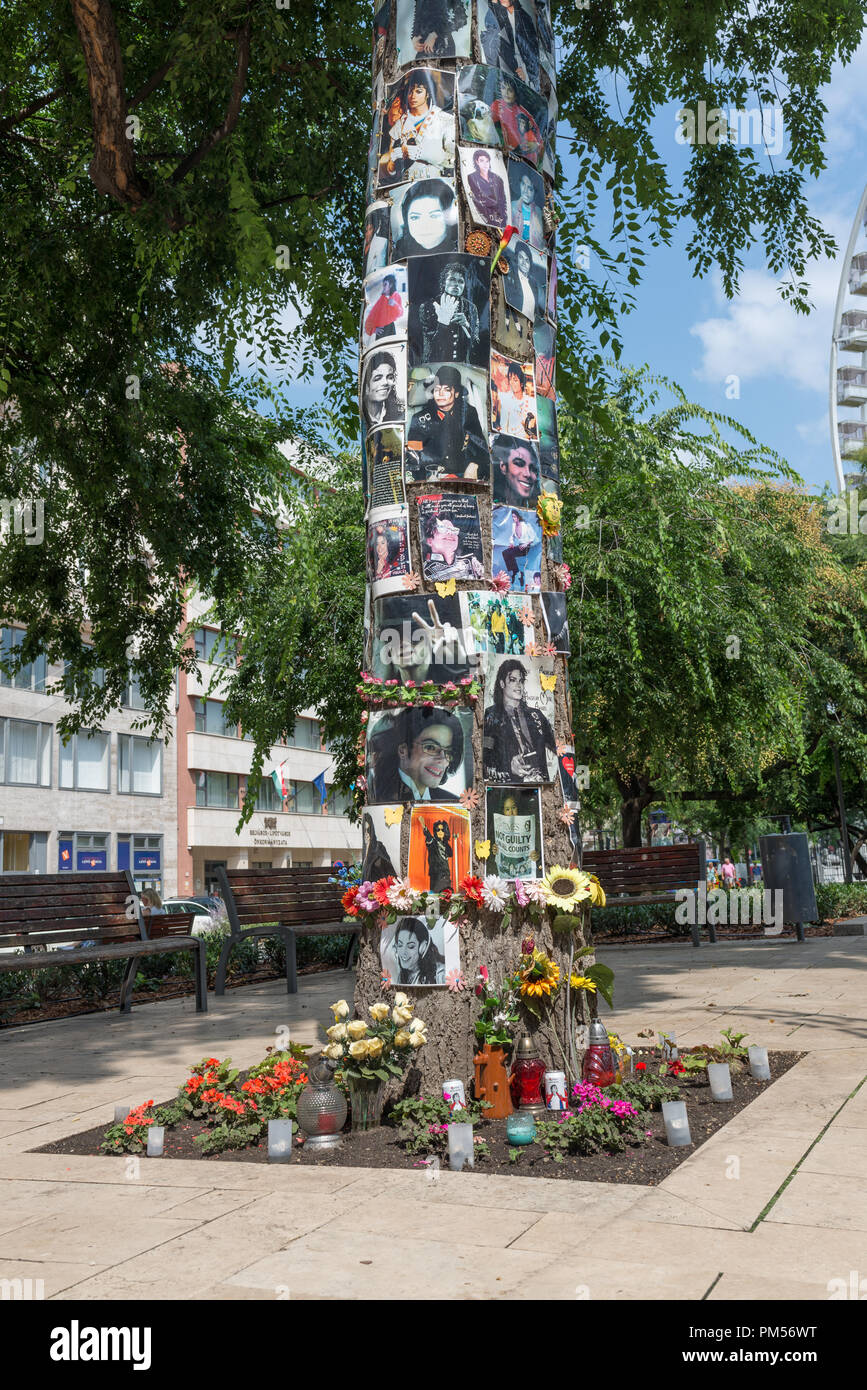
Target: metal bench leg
{"x":696,"y":939}
{"x":291,"y":963}
{"x":222,"y":965}
{"x":201,"y":965}
{"x":350,"y":951}
{"x":127,"y":985}
{"x":711,"y":931}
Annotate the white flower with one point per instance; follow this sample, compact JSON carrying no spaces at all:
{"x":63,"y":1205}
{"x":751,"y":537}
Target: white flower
{"x":402,"y":1000}
{"x":496,"y":893}
{"x":417,"y":1026}
{"x":535,"y":892}
{"x":401,"y":896}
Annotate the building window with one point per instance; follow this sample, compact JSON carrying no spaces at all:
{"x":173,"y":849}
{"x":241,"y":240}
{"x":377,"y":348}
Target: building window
{"x":29,"y":677}
{"x":25,"y":753}
{"x":80,"y":683}
{"x":339,"y":803}
{"x":83,"y":851}
{"x":217,"y":789}
{"x":304,"y":799}
{"x":84,"y":761}
{"x":215,"y":647}
{"x":305,"y":734}
{"x":132,"y":696}
{"x":267,"y":797}
{"x":139,"y":765}
{"x":210,"y":718}
{"x":142,"y":855}
{"x":24,"y":851}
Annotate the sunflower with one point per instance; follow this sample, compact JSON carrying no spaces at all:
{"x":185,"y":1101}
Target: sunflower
{"x":597,"y":892}
{"x":565,"y":888}
{"x":541,"y":977}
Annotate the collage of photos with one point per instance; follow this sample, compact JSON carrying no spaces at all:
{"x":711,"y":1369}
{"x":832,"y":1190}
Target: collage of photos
{"x":417,"y":951}
{"x":419,"y":753}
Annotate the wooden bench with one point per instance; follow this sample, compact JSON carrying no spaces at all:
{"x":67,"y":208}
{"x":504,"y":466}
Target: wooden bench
{"x":281,"y":902}
{"x":651,"y":874}
{"x":100,"y":916}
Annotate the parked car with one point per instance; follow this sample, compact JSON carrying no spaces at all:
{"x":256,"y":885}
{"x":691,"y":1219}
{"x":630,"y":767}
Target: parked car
{"x":206,"y":917}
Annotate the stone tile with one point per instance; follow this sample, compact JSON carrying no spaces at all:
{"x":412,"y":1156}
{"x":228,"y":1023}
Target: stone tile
{"x":105,"y":1241}
{"x":596,"y":1279}
{"x":822,"y":1199}
{"x":669,"y":1209}
{"x":57,"y":1277}
{"x":434,"y":1221}
{"x":842,"y":1151}
{"x":481,"y":1189}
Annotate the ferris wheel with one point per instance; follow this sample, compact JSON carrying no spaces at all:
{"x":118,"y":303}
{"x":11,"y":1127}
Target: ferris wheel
{"x":848,"y":383}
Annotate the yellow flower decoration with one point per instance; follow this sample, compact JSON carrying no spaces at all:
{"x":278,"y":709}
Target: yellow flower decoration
{"x":541,"y":978}
{"x":565,"y":888}
{"x":582,"y":982}
{"x":483,"y":849}
{"x":549,"y":508}
{"x":597,"y":892}
{"x":445,"y":588}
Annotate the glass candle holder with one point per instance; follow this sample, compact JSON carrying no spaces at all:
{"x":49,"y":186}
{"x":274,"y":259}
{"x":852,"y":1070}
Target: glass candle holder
{"x":676,"y":1123}
{"x":525,"y":1082}
{"x":156,"y":1140}
{"x":321,"y":1108}
{"x":521,"y":1127}
{"x":759,"y":1065}
{"x":120,"y":1113}
{"x":279,"y":1141}
{"x":720,"y":1078}
{"x":460,"y":1147}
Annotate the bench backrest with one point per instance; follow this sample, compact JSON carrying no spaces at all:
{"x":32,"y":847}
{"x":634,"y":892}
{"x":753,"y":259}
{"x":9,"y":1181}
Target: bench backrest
{"x":295,"y":897}
{"x":42,"y":909}
{"x":646,"y":870}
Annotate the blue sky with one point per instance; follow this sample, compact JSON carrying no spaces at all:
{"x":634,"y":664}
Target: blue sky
{"x":687,"y":330}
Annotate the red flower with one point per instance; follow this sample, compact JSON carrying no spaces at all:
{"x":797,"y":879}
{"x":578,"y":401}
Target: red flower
{"x":641,"y":1066}
{"x":471,"y":887}
{"x":446,"y":895}
{"x":381,"y":887}
{"x":348,"y":901}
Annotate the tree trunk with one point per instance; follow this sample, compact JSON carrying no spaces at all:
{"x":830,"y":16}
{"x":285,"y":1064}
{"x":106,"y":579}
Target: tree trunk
{"x":637,"y":796}
{"x":450,"y":1014}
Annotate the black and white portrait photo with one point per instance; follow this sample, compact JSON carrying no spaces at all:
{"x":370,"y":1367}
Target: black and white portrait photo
{"x":432,"y":29}
{"x":507,"y":30}
{"x":449,"y":318}
{"x":383,"y":386}
{"x":376,"y":225}
{"x":519,"y":744}
{"x":424,"y":218}
{"x":516,"y":471}
{"x":419,"y":753}
{"x":385,"y":306}
{"x":525,"y":282}
{"x":417,"y":951}
{"x":420,"y":639}
{"x":483,"y":174}
{"x":417,"y":140}
{"x":447,"y":436}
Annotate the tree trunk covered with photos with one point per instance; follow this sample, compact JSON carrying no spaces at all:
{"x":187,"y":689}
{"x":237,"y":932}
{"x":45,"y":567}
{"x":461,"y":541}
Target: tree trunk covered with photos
{"x":467,"y":749}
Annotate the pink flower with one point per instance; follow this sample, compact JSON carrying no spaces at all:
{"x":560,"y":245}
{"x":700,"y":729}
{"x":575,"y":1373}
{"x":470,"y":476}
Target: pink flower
{"x":521,"y":893}
{"x":393,"y":681}
{"x":501,"y":582}
{"x":410,"y":685}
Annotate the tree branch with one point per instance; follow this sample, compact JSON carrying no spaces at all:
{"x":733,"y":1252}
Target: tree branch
{"x":112,"y":168}
{"x":233,"y":110}
{"x":27,"y":111}
{"x":151,"y":85}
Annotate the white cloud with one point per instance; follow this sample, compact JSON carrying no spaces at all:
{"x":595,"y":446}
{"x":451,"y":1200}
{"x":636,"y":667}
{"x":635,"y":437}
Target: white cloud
{"x":815,"y":432}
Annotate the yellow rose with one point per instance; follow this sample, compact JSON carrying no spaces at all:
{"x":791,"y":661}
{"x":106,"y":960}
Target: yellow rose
{"x":374,"y":1048}
{"x":417,"y":1026}
{"x":337,"y":1032}
{"x":402,"y":1015}
{"x":402,"y":1001}
{"x":402,"y":1038}
{"x":358,"y":1050}
{"x":357,"y":1028}
{"x":340,"y":1009}
{"x":418,"y":1039}
{"x":334,"y":1051}
{"x":378,"y":1011}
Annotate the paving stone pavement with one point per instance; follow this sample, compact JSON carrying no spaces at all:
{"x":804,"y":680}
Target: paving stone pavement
{"x":774,"y":1206}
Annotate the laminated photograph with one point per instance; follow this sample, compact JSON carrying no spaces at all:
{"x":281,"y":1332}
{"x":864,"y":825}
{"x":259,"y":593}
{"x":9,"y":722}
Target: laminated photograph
{"x":383,"y":468}
{"x":517,"y":540}
{"x":450,"y":536}
{"x":421,"y":639}
{"x":527,"y":196}
{"x":508,"y":37}
{"x":387,"y":549}
{"x":486,"y":186}
{"x":514,"y":828}
{"x":556,"y":622}
{"x":386,"y":306}
{"x":440,"y":847}
{"x":383,"y":386}
{"x":544,"y":335}
{"x":519,"y":745}
{"x":417,"y":140}
{"x":500,"y":623}
{"x":516,"y":471}
{"x":377,"y":221}
{"x":447,"y":424}
{"x":513,"y":398}
{"x":380,"y":839}
{"x":419,"y":951}
{"x":568,"y":785}
{"x":432,"y":29}
{"x":526,"y":279}
{"x":424,"y":218}
{"x":419,"y":753}
{"x":449,"y":318}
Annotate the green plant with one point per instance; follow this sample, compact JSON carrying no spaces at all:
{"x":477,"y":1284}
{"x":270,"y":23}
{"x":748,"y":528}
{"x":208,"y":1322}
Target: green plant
{"x":648,"y":1093}
{"x":423,"y":1122}
{"x":695,"y":1059}
{"x":131,"y":1135}
{"x":515,"y":1153}
{"x":841,"y":900}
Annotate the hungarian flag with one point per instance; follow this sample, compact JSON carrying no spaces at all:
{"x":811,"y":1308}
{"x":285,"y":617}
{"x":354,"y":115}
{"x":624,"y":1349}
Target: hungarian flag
{"x":279,"y":783}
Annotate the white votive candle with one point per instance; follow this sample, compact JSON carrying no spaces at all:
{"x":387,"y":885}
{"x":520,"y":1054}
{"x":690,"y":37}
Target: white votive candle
{"x":156,"y":1140}
{"x":279,"y":1141}
{"x":759,"y":1065}
{"x":460,"y":1147}
{"x":120,"y":1113}
{"x":720,"y":1078}
{"x":676,"y":1124}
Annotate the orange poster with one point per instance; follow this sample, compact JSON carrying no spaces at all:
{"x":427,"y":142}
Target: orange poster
{"x":439,"y":847}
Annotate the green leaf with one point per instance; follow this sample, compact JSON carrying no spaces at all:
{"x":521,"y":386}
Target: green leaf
{"x":603,"y":978}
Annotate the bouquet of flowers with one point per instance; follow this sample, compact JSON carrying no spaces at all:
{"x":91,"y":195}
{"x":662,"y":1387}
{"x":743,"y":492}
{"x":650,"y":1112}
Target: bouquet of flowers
{"x":380,"y":1049}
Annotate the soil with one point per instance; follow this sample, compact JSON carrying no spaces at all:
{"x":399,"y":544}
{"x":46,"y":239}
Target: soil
{"x":379,"y":1148}
{"x":75,"y":1006}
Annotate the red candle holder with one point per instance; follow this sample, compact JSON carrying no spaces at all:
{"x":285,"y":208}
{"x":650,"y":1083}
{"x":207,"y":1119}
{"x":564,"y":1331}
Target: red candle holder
{"x":525,"y":1082}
